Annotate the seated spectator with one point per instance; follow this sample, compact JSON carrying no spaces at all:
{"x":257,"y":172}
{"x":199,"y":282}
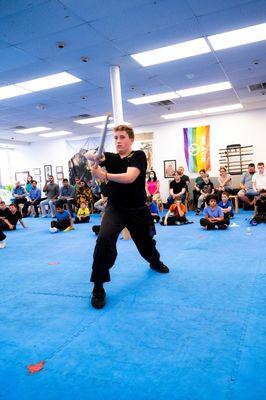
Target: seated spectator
{"x":34,"y":200}
{"x":260,"y":209}
{"x":19,"y":194}
{"x":225,"y":182}
{"x":102,"y":202}
{"x":77,"y":183}
{"x":84,"y":194}
{"x":52,"y":192}
{"x":83,"y":214}
{"x":213,"y":216}
{"x":13,"y":217}
{"x":4,"y":213}
{"x":176,"y":214}
{"x":246,"y":192}
{"x":153,"y":188}
{"x":152,"y":205}
{"x":67,"y":195}
{"x":259,"y":178}
{"x":196,"y":190}
{"x":206,"y":189}
{"x":226,"y":206}
{"x":63,"y":219}
{"x":177,"y":188}
{"x":184,"y":177}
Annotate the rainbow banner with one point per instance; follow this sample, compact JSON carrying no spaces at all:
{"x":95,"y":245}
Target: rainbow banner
{"x":197,"y":148}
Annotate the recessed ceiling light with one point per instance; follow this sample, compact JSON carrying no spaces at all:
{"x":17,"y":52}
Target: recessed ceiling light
{"x":238,"y":37}
{"x":216,"y":87}
{"x":93,"y":120}
{"x":181,"y":114}
{"x":221,"y":108}
{"x":154,"y":98}
{"x":173,"y":52}
{"x":33,"y":130}
{"x":54,"y":134}
{"x":9,"y":91}
{"x":49,"y":82}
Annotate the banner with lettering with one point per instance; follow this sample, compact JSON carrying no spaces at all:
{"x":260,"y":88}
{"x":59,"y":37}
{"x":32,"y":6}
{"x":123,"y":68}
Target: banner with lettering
{"x":197,"y":148}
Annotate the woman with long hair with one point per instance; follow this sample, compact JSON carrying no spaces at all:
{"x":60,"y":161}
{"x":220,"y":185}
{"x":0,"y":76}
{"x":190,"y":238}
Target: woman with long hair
{"x":84,"y":194}
{"x":153,"y":189}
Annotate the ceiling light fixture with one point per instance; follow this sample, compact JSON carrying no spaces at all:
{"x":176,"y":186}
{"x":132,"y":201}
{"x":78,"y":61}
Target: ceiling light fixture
{"x":238,"y":37}
{"x":181,"y":114}
{"x":154,"y":98}
{"x":33,"y":130}
{"x":93,"y":120}
{"x":54,"y":134}
{"x":216,"y":87}
{"x":221,"y":108}
{"x":6,"y":92}
{"x":174,"y":52}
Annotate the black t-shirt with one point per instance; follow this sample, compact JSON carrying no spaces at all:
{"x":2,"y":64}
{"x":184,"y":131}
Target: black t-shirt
{"x":206,"y":187}
{"x":178,"y":186}
{"x":14,"y":218}
{"x":126,"y":195}
{"x":261,"y":205}
{"x":5,"y":213}
{"x":104,"y":189}
{"x":185,"y":179}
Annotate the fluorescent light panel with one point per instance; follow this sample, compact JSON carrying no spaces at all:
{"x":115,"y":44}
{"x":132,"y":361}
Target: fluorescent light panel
{"x":154,"y":98}
{"x":181,"y":114}
{"x":173,"y":52}
{"x":216,"y":87}
{"x":221,"y":108}
{"x":54,"y":134}
{"x":33,"y":130}
{"x":93,"y":120}
{"x":36,"y":85}
{"x":238,"y":37}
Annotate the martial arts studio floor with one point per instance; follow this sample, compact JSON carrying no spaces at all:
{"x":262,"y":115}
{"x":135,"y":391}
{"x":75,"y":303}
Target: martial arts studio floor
{"x":197,"y":333}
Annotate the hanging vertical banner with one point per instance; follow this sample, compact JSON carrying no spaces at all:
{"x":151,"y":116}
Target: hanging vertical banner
{"x":197,"y":148}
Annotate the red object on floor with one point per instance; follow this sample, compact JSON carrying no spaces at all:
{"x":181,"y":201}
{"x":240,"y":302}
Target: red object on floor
{"x":36,"y":367}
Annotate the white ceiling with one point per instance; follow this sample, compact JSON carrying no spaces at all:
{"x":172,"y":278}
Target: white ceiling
{"x":107,"y":32}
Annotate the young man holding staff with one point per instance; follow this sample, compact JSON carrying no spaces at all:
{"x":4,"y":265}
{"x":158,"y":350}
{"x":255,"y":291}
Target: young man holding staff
{"x":126,"y":172}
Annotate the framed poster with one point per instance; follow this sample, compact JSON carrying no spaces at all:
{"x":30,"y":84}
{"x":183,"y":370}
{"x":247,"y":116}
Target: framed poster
{"x":47,"y":172}
{"x":59,"y":176}
{"x":169,"y":168}
{"x":22,"y":177}
{"x":37,"y":171}
{"x":59,"y":169}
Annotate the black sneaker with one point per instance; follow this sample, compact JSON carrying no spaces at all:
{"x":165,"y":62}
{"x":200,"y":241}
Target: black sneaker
{"x":224,"y":226}
{"x":197,"y":211}
{"x":163,"y":269}
{"x":98,"y":298}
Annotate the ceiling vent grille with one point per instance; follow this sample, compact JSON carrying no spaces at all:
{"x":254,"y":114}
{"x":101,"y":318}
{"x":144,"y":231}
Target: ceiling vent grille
{"x":18,"y":127}
{"x":257,"y":87}
{"x":162,"y":103}
{"x":82,"y":116}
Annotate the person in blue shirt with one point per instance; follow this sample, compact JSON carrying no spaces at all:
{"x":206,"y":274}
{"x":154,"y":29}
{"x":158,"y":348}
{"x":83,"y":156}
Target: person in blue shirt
{"x":226,"y":206}
{"x":153,"y":207}
{"x":19,"y":194}
{"x":213,"y":216}
{"x":34,"y":200}
{"x":63,"y":219}
{"x":67,"y":195}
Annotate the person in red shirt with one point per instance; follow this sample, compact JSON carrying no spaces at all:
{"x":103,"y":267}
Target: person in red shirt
{"x":176,"y":214}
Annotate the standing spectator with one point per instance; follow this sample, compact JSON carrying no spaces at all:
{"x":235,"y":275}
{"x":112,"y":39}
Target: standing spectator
{"x":67,"y":195}
{"x":259,"y":178}
{"x":246,"y":192}
{"x":52,"y":192}
{"x":34,"y":200}
{"x":19,"y":194}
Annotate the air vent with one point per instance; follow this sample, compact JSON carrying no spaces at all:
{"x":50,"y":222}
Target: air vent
{"x":257,"y":87}
{"x":162,"y":103}
{"x":18,"y":127}
{"x":82,"y":116}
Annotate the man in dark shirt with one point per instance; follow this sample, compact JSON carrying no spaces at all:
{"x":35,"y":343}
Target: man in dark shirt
{"x":126,"y":173}
{"x":13,"y":217}
{"x":177,"y":188}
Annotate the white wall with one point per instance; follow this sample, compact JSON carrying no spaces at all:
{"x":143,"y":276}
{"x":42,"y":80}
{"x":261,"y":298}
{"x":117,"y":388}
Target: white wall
{"x":245,"y":128}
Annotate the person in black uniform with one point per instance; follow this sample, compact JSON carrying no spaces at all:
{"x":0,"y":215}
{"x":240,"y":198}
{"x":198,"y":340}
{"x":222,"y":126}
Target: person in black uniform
{"x":126,"y":173}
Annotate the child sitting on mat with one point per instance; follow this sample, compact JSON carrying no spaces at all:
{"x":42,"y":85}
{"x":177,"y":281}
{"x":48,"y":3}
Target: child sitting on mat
{"x":83,"y":214}
{"x":213,"y":216}
{"x":176,"y":214}
{"x":63,"y":219}
{"x":260,"y":209}
{"x":152,"y":205}
{"x":226,"y":206}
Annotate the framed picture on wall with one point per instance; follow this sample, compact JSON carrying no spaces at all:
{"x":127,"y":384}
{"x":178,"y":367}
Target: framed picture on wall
{"x":59,"y":168}
{"x":38,"y":178}
{"x":47,"y":172}
{"x":22,"y":177}
{"x":169,"y":168}
{"x":59,"y":176}
{"x":37,"y":171}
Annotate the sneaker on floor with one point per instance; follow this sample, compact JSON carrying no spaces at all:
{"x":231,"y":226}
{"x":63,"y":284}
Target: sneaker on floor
{"x":163,"y":269}
{"x":2,"y":244}
{"x":224,"y":226}
{"x":253,"y":222}
{"x":53,"y":230}
{"x":98,"y":298}
{"x":69,"y":228}
{"x":188,"y":222}
{"x":216,"y":227}
{"x":197,"y":211}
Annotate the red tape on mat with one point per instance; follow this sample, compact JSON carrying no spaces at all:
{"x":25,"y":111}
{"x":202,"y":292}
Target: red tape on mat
{"x":32,"y":369}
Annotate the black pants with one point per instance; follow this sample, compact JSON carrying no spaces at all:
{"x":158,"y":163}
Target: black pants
{"x":29,"y":203}
{"x":61,"y":225}
{"x":260,"y":218}
{"x":2,"y":235}
{"x":70,"y":204}
{"x":139,"y":223}
{"x":211,"y":225}
{"x":19,"y":201}
{"x":173,"y":220}
{"x":196,"y":195}
{"x":82,"y":220}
